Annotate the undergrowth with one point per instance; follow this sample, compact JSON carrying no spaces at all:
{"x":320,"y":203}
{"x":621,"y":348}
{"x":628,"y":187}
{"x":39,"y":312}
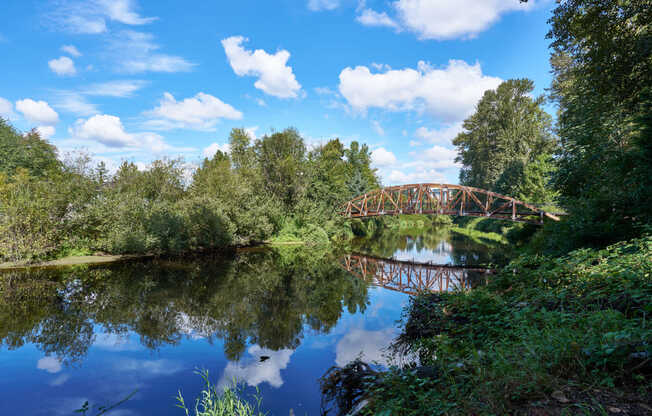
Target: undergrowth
{"x":555,"y":333}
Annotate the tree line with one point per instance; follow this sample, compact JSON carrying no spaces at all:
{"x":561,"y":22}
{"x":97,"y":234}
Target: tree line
{"x":595,"y":159}
{"x":270,"y":187}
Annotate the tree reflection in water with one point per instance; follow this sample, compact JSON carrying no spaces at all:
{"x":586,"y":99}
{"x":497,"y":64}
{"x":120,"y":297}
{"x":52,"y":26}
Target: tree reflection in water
{"x":263,"y":297}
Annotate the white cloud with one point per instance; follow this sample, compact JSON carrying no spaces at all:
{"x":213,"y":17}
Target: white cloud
{"x":71,"y":50}
{"x":63,"y":66}
{"x":49,"y":364}
{"x":254,"y":372}
{"x":105,"y":129}
{"x":109,"y":131}
{"x":378,"y":128}
{"x":212,"y":148}
{"x":46,"y":131}
{"x":75,"y":103}
{"x":370,"y":346}
{"x":382,"y":157}
{"x":440,"y":157}
{"x":135,"y":52}
{"x":370,"y":17}
{"x":120,"y":88}
{"x":318,"y":5}
{"x":445,"y":19}
{"x":443,"y":135}
{"x":90,"y":16}
{"x":449,"y":93}
{"x":38,"y":112}
{"x":275,"y":77}
{"x":261,"y":102}
{"x":6,"y":109}
{"x":397,"y":177}
{"x":202,"y":111}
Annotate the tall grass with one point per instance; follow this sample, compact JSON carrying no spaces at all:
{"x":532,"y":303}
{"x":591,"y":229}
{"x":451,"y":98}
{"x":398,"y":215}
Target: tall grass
{"x":227,"y":402}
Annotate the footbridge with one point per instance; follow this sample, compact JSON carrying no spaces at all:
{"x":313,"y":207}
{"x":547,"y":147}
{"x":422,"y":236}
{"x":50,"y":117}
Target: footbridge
{"x":443,"y":199}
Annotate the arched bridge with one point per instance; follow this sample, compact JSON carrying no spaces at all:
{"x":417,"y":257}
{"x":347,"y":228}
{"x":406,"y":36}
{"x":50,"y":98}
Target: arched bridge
{"x":438,"y":198}
{"x":412,"y":278}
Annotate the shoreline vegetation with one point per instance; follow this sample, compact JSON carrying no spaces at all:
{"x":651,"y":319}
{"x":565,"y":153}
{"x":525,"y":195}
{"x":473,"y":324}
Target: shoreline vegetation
{"x":271,"y":190}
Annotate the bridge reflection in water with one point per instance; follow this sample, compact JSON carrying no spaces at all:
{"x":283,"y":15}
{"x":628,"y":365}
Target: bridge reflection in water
{"x":413,"y":278}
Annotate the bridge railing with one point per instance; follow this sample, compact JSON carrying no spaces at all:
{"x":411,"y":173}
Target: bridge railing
{"x":445,"y":199}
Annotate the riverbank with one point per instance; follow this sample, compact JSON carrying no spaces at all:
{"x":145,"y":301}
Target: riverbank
{"x":546,"y":336}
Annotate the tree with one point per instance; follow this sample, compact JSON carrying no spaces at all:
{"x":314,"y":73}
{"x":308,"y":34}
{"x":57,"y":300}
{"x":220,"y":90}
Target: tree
{"x":508,"y":131}
{"x":27,"y":151}
{"x":362,"y":177}
{"x":602,"y":66}
{"x":281,"y":158}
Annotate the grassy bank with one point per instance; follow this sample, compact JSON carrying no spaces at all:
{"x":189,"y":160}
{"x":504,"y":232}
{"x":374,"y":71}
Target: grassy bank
{"x":566,"y":335}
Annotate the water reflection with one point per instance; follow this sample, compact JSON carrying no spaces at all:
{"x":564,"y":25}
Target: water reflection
{"x":262,"y":298}
{"x":412,"y":278}
{"x":438,"y":245}
{"x":273,"y":319}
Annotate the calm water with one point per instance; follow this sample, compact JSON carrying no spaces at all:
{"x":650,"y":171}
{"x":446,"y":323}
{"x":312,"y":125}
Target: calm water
{"x":99,"y":333}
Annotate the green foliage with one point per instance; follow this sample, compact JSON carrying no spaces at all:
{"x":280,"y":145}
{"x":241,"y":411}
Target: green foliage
{"x":508,"y":132}
{"x":271,"y":188}
{"x":602,"y":65}
{"x":541,"y":325}
{"x":228,"y":299}
{"x":25,"y":151}
{"x":228,"y":402}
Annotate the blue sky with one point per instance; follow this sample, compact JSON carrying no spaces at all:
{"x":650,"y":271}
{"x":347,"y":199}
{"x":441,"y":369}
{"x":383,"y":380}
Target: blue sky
{"x":139,"y":80}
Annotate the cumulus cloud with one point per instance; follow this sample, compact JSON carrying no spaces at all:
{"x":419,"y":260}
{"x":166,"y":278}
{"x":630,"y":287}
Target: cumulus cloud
{"x":318,"y":5}
{"x":63,"y":66}
{"x":449,"y":93}
{"x":398,"y":177}
{"x":443,"y":135}
{"x":71,"y":50}
{"x":254,"y":372}
{"x":120,"y":88}
{"x":442,"y":19}
{"x":135,"y":52}
{"x":275,"y":77}
{"x":49,"y":364}
{"x":109,"y":131}
{"x":105,"y":129}
{"x":6,"y":108}
{"x":38,"y":112}
{"x":212,"y":148}
{"x":382,"y":157}
{"x":91,"y":16}
{"x":202,"y":111}
{"x":370,"y":17}
{"x":46,"y":131}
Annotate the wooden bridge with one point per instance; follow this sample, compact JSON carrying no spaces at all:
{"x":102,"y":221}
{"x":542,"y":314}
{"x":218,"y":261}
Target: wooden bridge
{"x":437,"y":198}
{"x":412,"y":278}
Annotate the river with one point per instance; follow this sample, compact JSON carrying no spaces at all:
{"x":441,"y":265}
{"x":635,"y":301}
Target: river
{"x":273,"y":319}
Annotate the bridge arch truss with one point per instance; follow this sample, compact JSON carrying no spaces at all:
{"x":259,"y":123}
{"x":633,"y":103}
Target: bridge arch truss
{"x":443,"y":199}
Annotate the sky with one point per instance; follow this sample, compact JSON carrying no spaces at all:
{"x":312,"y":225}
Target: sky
{"x":140,"y":80}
